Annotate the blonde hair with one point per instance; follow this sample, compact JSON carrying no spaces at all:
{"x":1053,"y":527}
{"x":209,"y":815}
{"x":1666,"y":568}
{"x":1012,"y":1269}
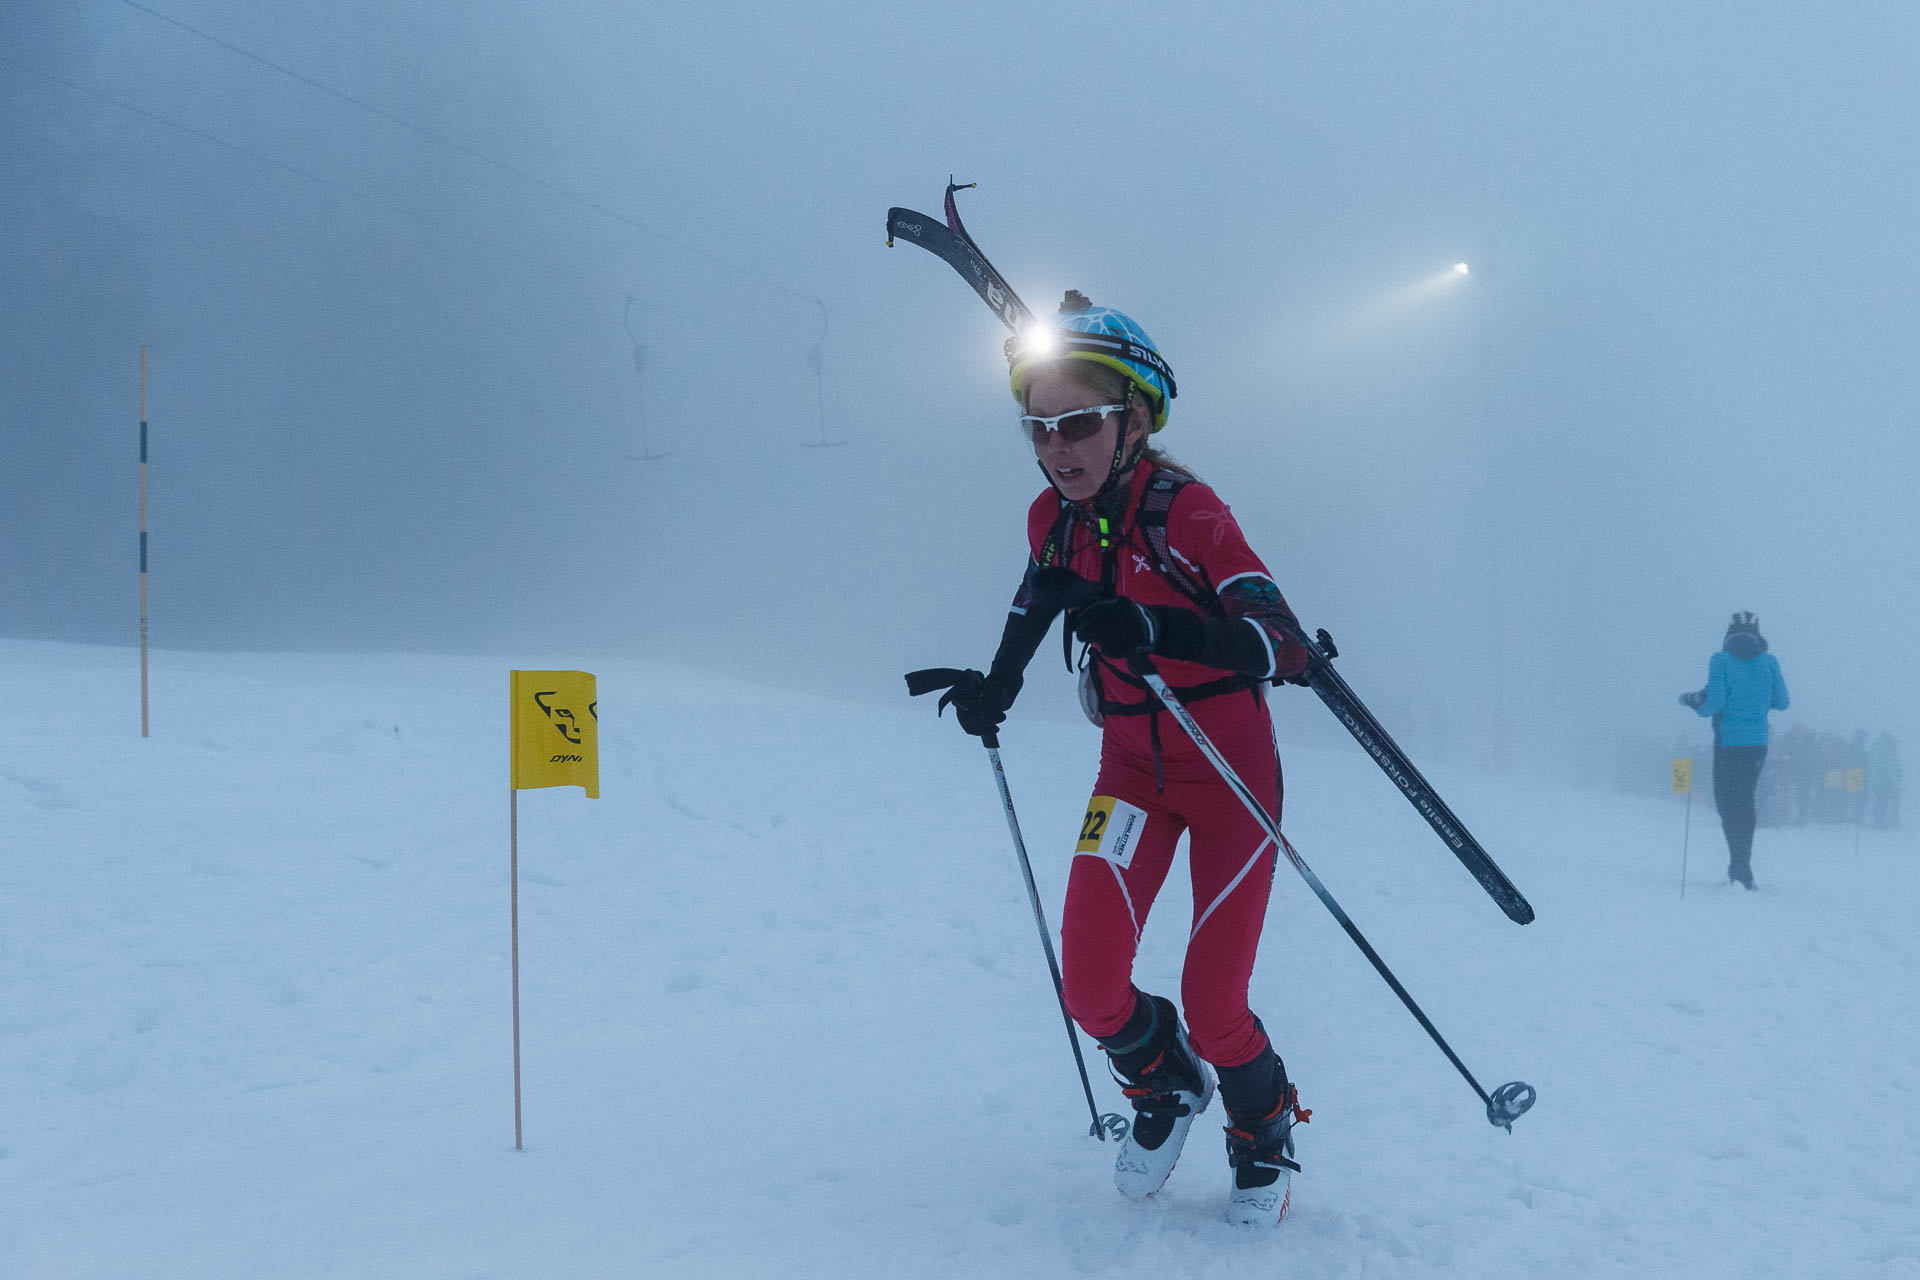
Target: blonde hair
{"x":1104,"y":380}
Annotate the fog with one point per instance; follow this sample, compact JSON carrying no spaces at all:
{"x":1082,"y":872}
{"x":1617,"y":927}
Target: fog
{"x":382,"y":259}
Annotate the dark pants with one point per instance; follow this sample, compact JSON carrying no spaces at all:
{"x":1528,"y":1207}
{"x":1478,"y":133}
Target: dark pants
{"x":1736,"y":771}
{"x":1886,"y":806}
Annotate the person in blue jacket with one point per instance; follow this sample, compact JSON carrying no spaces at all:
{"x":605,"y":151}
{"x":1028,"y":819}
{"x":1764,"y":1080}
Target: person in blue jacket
{"x":1743,"y":685}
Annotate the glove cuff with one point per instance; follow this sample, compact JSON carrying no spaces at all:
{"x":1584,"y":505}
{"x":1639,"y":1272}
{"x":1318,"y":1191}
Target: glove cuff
{"x":1180,"y":634}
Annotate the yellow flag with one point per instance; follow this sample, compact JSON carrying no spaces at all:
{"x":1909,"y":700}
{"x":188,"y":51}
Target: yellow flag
{"x":555,"y":730}
{"x":1836,"y":779}
{"x":1856,"y":779}
{"x":1682,"y":775}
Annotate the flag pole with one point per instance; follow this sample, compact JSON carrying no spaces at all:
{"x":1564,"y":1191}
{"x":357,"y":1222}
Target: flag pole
{"x":143,"y":542}
{"x":1685,"y":835}
{"x":553,"y":742}
{"x":513,"y":875}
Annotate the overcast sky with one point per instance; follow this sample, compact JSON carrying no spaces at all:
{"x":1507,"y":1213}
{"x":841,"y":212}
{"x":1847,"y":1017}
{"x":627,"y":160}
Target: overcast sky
{"x":394,"y":403}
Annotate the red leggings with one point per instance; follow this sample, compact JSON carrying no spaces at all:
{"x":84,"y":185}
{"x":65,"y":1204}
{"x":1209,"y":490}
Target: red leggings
{"x":1232,"y":860}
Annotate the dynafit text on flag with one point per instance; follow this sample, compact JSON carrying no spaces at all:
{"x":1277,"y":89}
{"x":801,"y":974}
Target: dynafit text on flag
{"x":555,"y":730}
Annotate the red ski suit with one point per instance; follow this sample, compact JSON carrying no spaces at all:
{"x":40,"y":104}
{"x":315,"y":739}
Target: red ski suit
{"x":1147,"y":761}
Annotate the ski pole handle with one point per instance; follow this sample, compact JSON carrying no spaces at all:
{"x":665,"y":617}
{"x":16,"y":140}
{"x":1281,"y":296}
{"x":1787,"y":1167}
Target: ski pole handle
{"x":931,"y":678}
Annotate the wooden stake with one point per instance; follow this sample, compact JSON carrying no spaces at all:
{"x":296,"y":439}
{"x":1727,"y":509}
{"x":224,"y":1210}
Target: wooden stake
{"x":513,"y":876}
{"x":143,"y":543}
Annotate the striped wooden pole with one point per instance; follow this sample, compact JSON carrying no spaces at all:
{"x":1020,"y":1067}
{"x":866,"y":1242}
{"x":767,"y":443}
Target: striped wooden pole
{"x":143,"y":543}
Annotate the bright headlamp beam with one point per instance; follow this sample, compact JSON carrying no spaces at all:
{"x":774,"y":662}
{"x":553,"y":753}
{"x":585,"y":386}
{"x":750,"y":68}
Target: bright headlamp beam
{"x":1040,"y":341}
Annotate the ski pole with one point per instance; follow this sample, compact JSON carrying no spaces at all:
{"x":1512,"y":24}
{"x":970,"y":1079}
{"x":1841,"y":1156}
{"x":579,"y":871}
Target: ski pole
{"x":1103,"y":1125}
{"x":1111,"y":1124}
{"x":1505,"y":1104}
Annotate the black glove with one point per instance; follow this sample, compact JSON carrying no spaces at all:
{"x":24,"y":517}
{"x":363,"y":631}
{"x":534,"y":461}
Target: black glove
{"x":1693,"y":700}
{"x":1121,"y":628}
{"x":1059,"y":588}
{"x":1116,"y":626}
{"x":979,"y":701}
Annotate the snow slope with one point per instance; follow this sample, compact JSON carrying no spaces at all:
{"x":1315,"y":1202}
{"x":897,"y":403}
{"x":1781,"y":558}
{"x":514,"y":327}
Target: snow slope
{"x":785,"y":1013}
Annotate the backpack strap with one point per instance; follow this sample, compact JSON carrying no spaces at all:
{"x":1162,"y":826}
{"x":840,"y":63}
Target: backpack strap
{"x":1155,"y":506}
{"x":1058,"y":548}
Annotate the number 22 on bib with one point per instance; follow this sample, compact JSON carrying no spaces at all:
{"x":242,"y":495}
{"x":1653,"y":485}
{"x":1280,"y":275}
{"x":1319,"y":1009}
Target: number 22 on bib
{"x":1111,"y":830}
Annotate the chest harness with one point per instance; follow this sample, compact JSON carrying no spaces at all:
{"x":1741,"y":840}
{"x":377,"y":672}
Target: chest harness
{"x":1104,"y":521}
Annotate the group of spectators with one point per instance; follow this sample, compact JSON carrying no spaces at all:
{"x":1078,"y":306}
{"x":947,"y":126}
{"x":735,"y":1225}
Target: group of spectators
{"x":1810,"y":776}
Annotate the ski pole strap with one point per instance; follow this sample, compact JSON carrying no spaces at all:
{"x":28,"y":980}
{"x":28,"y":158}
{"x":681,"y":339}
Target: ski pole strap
{"x":957,"y":684}
{"x":931,"y":678}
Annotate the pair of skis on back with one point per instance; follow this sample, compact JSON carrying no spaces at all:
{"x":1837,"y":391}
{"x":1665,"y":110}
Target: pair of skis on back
{"x":950,"y":242}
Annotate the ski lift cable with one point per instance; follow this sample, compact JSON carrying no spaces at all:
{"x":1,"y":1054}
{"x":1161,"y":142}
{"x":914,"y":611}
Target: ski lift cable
{"x":504,"y":167}
{"x":501,"y":247}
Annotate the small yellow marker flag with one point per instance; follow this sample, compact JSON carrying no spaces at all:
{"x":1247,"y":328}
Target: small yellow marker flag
{"x":555,"y":730}
{"x":1836,"y":779}
{"x":1856,"y":779}
{"x":1682,"y":775}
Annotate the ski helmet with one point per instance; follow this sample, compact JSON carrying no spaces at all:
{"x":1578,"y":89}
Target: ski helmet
{"x":1743,"y":639}
{"x":1082,"y":331}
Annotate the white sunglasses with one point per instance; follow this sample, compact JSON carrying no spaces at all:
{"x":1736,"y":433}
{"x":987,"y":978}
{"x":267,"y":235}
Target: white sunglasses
{"x":1080,"y":424}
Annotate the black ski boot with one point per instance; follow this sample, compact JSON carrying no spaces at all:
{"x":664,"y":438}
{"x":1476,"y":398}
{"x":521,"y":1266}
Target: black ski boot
{"x":1168,"y":1086}
{"x":1260,"y":1150}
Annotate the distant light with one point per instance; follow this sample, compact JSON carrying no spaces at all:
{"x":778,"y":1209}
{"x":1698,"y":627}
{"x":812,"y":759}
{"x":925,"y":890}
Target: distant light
{"x":1460,"y":268}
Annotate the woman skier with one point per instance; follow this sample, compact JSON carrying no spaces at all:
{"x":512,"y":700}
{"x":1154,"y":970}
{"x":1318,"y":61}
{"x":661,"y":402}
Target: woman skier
{"x":1743,"y":684}
{"x":1157,"y":566}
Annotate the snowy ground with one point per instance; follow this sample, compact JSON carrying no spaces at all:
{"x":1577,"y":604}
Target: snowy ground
{"x":786,"y":1015}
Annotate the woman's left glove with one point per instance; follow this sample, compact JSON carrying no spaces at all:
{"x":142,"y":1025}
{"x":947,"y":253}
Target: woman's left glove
{"x":1117,"y":626}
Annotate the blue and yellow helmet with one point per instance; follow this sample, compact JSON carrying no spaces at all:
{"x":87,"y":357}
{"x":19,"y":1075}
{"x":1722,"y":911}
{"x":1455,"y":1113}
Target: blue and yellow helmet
{"x":1081,"y":331}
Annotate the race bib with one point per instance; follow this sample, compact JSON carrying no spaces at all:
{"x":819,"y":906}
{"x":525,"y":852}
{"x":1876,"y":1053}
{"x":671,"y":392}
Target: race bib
{"x":1111,"y":830}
